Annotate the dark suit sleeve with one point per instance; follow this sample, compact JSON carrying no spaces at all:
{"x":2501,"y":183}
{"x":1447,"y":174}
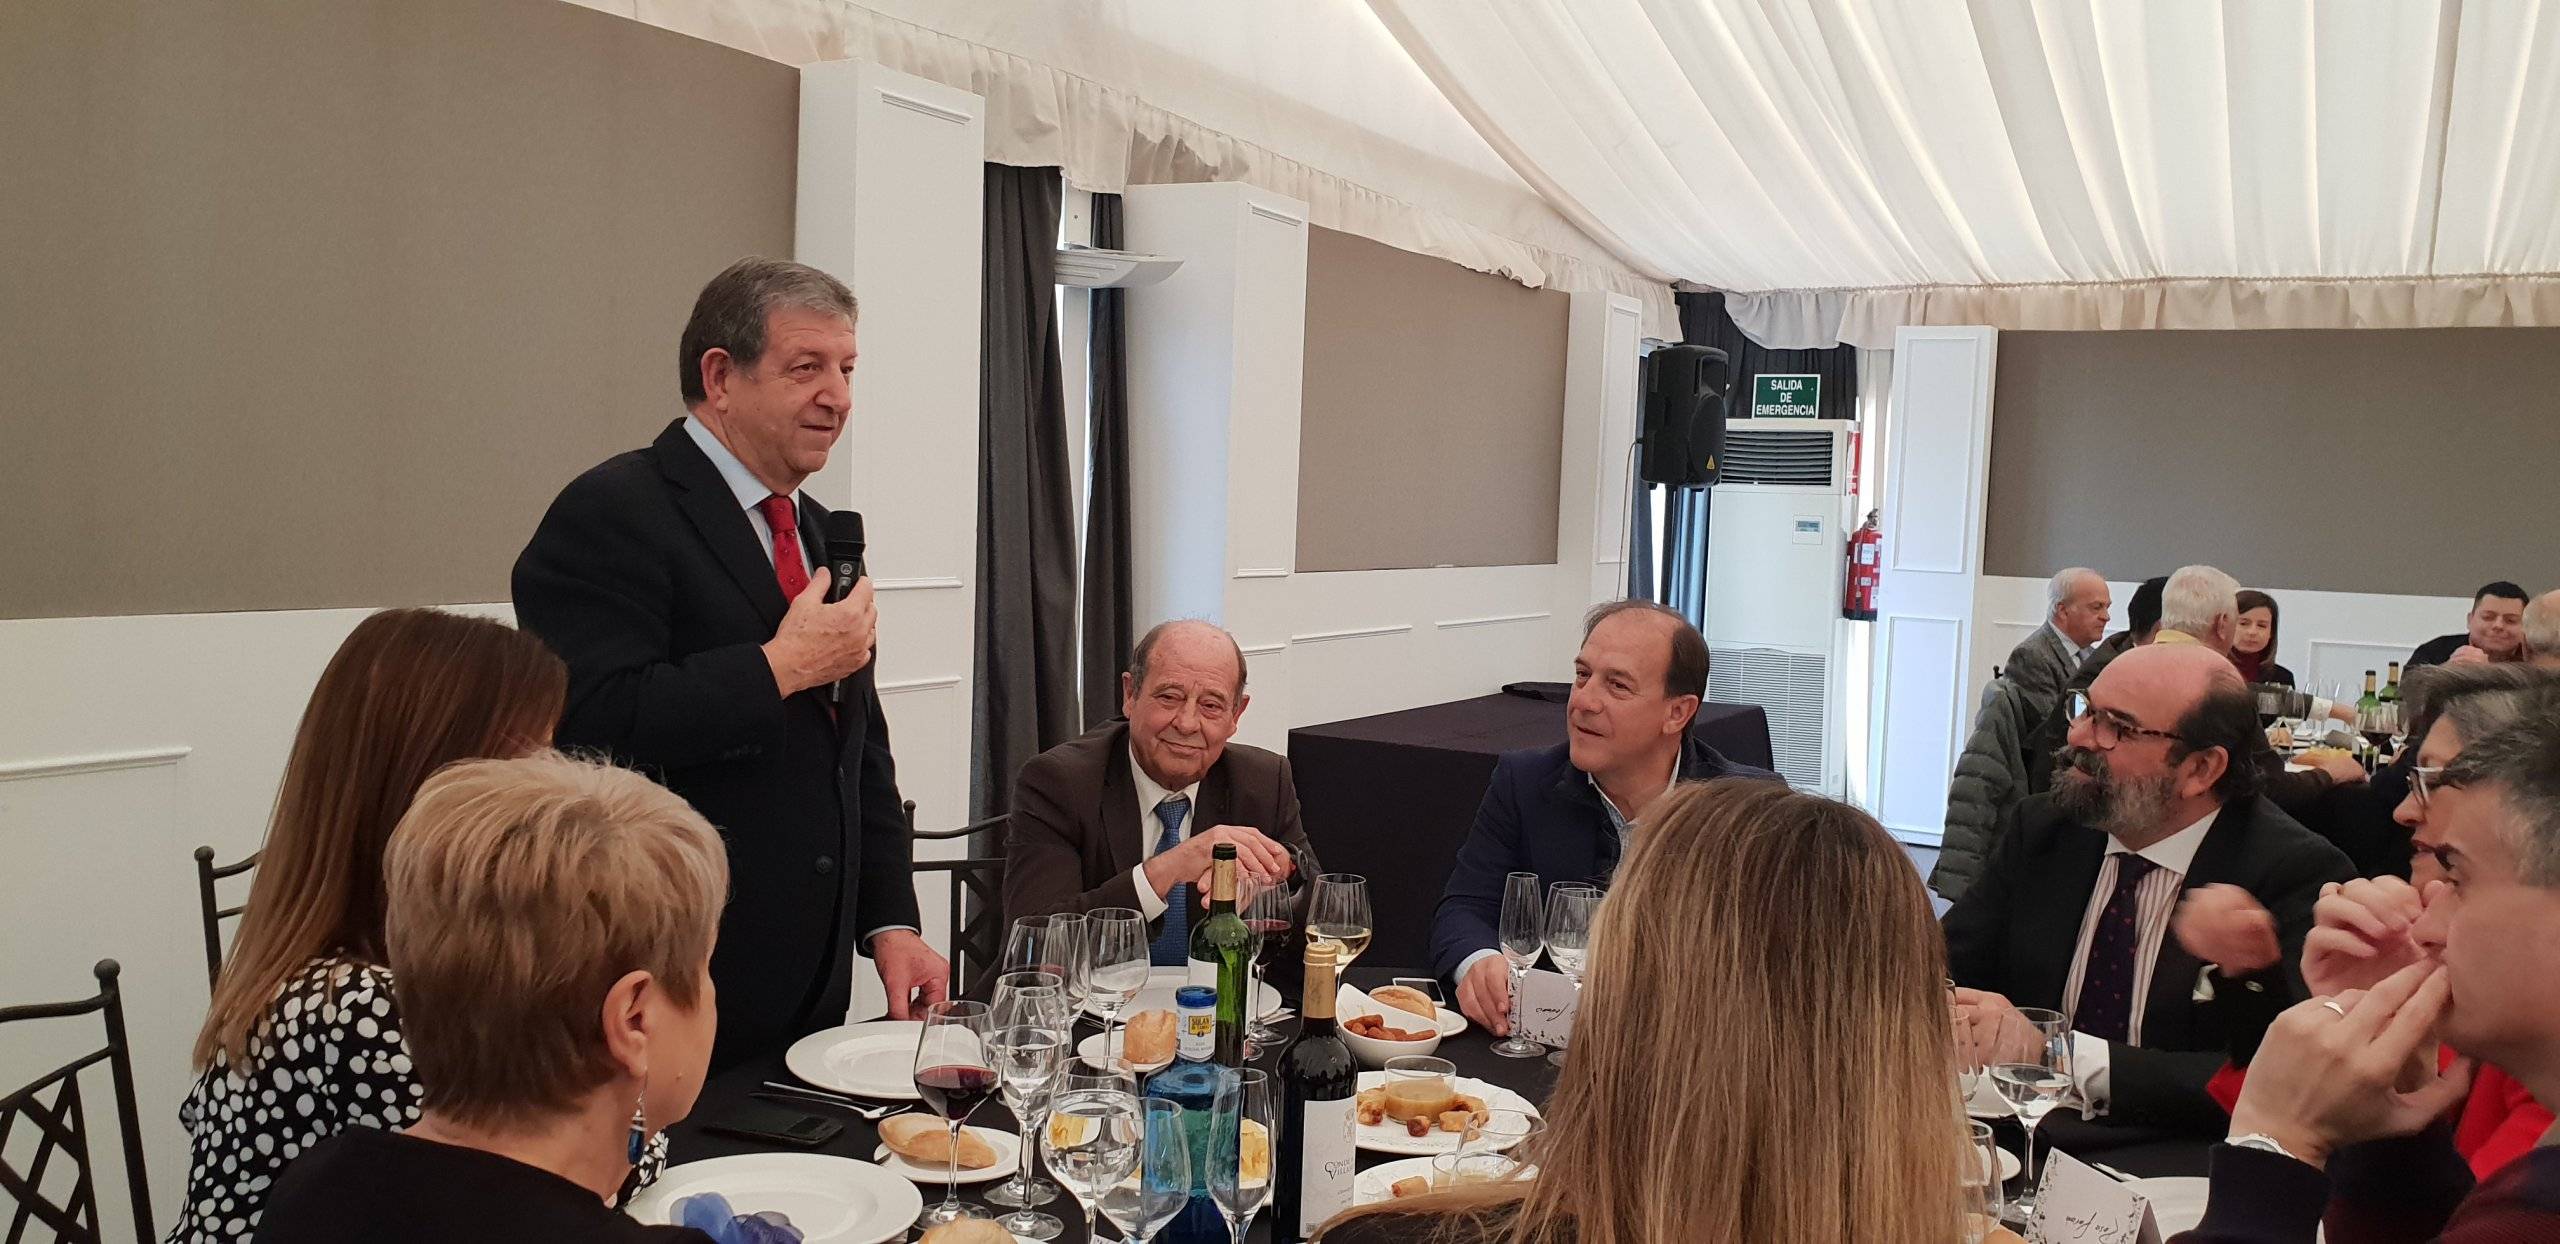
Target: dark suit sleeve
{"x":887,"y":894}
{"x":1470,"y":912}
{"x":1044,"y":851}
{"x":1977,"y":925}
{"x":592,"y":587}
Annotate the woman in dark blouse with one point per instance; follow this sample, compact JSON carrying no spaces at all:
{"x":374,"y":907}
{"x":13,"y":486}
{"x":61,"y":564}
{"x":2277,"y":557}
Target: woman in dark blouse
{"x":2253,"y":645}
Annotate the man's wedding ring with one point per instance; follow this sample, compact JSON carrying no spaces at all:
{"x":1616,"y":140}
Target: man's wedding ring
{"x":2332,"y":1004}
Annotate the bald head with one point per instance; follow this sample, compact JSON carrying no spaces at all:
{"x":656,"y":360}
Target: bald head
{"x":2542,"y":630}
{"x":1183,"y":695}
{"x":2079,"y":605}
{"x":2173,"y":678}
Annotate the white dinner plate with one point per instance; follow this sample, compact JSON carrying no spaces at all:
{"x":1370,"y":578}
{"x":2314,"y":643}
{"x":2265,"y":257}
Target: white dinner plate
{"x":1389,"y":1136}
{"x":875,"y":1060}
{"x":1158,"y":994}
{"x":1349,"y":1002}
{"x":2009,"y":1167}
{"x":1986,"y":1101}
{"x":831,"y":1200}
{"x":1090,"y":1050}
{"x":1008,"y":1149}
{"x":1377,"y":1183}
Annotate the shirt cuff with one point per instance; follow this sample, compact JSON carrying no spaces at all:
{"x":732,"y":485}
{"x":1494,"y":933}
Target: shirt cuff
{"x":1468,"y":963}
{"x":2089,"y":1074}
{"x":874,"y":934}
{"x":1150,"y":903}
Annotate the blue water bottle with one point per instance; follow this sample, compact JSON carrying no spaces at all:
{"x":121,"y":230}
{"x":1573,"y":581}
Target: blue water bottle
{"x":1192,"y":1082}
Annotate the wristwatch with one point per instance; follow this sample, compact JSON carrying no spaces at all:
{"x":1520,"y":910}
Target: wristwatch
{"x":2262,"y":1141}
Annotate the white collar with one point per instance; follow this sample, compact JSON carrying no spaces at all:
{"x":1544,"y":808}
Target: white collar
{"x":1150,"y":793}
{"x":2177,"y":852}
{"x":750,"y":491}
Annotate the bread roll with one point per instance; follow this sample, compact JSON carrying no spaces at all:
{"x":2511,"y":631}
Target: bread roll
{"x":1408,"y":999}
{"x":1253,"y":1160}
{"x":1148,"y":1040}
{"x":926,"y":1141}
{"x":967,"y":1231}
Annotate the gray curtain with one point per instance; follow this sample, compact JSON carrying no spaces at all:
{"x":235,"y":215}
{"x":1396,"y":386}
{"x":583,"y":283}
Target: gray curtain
{"x":1109,"y":630}
{"x":1025,"y":698}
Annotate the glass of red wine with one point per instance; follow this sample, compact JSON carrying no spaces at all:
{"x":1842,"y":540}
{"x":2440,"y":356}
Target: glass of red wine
{"x":1268,"y":915}
{"x":953,"y":1075}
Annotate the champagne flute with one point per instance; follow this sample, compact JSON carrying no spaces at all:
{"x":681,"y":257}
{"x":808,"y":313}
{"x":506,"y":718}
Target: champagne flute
{"x":1240,"y":1131}
{"x":1524,"y":938}
{"x":1268,"y":915}
{"x":1148,"y":1198}
{"x":2033,"y":1080}
{"x":1029,"y":1047}
{"x":1339,"y":913}
{"x":953,"y":1075}
{"x":1981,"y":1183}
{"x":1091,"y":1142}
{"x":1571,"y":906}
{"x":1115,"y":968}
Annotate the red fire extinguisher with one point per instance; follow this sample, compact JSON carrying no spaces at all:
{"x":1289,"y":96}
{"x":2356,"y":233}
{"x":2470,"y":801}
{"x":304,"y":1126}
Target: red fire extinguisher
{"x":1866,"y":564}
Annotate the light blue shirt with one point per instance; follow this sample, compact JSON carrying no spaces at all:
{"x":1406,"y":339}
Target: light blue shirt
{"x":743,"y":483}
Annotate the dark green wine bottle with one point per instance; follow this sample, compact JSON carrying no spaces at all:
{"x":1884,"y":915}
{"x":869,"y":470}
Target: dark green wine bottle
{"x":1221,"y":950}
{"x":1312,"y":1157}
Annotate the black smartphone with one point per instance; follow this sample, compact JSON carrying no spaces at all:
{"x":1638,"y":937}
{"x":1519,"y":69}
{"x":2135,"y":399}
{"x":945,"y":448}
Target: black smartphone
{"x":754,"y":1120}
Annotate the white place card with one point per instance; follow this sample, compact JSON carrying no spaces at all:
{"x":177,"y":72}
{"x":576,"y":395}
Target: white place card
{"x":2078,"y":1204}
{"x":1547,"y":1001}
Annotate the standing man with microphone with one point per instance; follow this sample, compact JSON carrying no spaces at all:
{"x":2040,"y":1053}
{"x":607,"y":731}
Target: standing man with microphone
{"x":693,"y":591}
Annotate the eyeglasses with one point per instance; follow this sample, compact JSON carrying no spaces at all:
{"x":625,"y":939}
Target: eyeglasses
{"x":2107,"y":727}
{"x":2426,"y":780}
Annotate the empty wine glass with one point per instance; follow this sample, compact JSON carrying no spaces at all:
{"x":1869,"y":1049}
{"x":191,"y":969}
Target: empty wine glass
{"x":1070,"y":933}
{"x":1144,"y":1201}
{"x":1240,"y":1147}
{"x":1524,"y":938}
{"x":953,"y":1075}
{"x":1339,"y":913}
{"x":1116,"y":968}
{"x":1981,"y":1182}
{"x":1571,"y":907}
{"x":1028,"y":1045}
{"x":2033,"y":1075}
{"x":1091,"y":1142}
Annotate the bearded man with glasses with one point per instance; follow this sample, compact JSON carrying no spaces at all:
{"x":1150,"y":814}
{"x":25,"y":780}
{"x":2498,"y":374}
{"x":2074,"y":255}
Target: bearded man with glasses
{"x":2154,"y":796}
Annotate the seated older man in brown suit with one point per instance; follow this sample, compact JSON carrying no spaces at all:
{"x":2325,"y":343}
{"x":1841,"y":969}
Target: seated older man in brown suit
{"x":1126,"y":815}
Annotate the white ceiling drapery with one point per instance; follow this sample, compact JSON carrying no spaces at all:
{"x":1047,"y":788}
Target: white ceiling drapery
{"x":1846,"y":166}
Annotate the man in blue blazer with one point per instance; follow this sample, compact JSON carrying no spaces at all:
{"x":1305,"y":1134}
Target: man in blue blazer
{"x":1565,"y":812}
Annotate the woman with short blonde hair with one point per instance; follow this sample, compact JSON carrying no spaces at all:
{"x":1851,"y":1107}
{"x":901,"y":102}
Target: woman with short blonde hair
{"x":550,"y":924}
{"x":1762,"y":1051}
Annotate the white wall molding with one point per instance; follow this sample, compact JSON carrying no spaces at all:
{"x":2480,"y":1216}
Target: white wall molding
{"x":1264,"y":650}
{"x":926,"y":584}
{"x":1268,"y":212}
{"x":1262,"y":572}
{"x":905,"y":685}
{"x":899,"y":99}
{"x":1360,"y":632}
{"x":94,"y":762}
{"x":1455,"y":624}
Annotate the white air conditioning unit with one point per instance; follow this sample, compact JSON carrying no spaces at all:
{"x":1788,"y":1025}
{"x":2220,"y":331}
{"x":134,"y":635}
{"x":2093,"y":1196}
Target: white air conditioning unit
{"x":1088,"y":267}
{"x":1777,"y":551}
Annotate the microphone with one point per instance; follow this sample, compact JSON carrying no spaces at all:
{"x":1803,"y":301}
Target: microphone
{"x":844,"y":565}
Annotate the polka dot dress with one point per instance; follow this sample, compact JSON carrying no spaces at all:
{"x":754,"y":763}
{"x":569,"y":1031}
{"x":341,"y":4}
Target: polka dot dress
{"x":328,"y":1058}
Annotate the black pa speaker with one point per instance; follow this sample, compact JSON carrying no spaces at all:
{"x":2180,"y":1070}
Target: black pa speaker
{"x":1683,"y":427}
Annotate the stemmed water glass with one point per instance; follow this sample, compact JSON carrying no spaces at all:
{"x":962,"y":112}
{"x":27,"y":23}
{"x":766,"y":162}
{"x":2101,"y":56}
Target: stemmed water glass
{"x":1269,"y":915}
{"x":953,"y":1074}
{"x":1571,"y":907}
{"x":1070,"y":934}
{"x":1029,"y":1040}
{"x":1092,"y":1138}
{"x":2033,"y":1076}
{"x":1981,"y":1182}
{"x":1240,"y":1172}
{"x":1524,"y":938}
{"x":1115,"y":968}
{"x":1339,"y":913}
{"x":1141,"y":1203}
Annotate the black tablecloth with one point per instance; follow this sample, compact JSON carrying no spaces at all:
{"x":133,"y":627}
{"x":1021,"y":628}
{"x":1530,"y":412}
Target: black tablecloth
{"x":2138,"y":1152}
{"x":1390,"y":797}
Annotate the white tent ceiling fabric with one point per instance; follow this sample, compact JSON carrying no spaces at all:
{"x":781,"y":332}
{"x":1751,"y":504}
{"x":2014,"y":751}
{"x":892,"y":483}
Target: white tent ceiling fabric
{"x":1851,"y":165}
{"x":1310,"y":99}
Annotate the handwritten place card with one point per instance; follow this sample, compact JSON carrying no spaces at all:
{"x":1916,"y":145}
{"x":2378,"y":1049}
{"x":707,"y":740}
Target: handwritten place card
{"x":2077,"y":1204}
{"x":1546,"y":1007}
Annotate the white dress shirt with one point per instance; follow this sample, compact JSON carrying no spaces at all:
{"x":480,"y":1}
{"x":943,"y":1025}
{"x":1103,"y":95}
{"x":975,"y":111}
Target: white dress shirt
{"x":1150,"y":793}
{"x":2156,"y":899}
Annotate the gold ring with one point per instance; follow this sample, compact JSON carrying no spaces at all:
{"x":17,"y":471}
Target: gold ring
{"x":2332,"y":1004}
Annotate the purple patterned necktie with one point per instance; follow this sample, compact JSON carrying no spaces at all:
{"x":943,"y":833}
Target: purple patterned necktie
{"x":2106,"y":984}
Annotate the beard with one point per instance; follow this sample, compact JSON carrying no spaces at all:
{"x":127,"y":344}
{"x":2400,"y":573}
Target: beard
{"x":2087,"y":789}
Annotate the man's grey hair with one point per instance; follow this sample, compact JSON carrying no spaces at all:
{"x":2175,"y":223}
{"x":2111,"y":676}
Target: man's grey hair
{"x":2196,"y":598}
{"x":1145,"y":650}
{"x":2520,"y":765}
{"x":730,"y":312}
{"x":2059,"y":588}
{"x":2542,"y":626}
{"x":2479,"y":699}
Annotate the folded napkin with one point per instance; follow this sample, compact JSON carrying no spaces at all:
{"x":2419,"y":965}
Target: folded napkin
{"x":709,"y":1213}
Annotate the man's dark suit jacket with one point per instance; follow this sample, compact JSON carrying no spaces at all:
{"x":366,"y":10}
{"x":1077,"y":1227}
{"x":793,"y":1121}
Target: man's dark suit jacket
{"x":648,"y":579}
{"x":2015,"y":932}
{"x":1074,"y":833}
{"x":1539,"y":815}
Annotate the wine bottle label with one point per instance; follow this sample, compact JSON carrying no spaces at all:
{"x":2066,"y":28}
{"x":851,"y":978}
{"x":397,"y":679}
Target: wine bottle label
{"x":1327,"y":1160}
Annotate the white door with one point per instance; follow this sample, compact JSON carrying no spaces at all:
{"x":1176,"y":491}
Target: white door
{"x":1938,"y":456}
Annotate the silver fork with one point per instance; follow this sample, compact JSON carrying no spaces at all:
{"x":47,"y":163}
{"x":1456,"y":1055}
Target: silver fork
{"x":869,"y":1112}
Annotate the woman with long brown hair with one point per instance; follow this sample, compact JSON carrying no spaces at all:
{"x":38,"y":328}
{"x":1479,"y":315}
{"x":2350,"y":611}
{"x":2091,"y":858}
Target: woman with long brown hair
{"x":1762,"y":1054}
{"x":303,"y":1039}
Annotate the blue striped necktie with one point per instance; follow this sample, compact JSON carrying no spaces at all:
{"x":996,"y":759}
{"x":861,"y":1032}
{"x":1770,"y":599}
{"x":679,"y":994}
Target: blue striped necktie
{"x":1173,"y":945}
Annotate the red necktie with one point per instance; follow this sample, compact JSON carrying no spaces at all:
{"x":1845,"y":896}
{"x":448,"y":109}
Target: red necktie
{"x":790,"y":565}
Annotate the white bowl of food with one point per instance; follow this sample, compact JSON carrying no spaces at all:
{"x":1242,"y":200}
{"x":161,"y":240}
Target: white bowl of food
{"x":1394,"y":1021}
